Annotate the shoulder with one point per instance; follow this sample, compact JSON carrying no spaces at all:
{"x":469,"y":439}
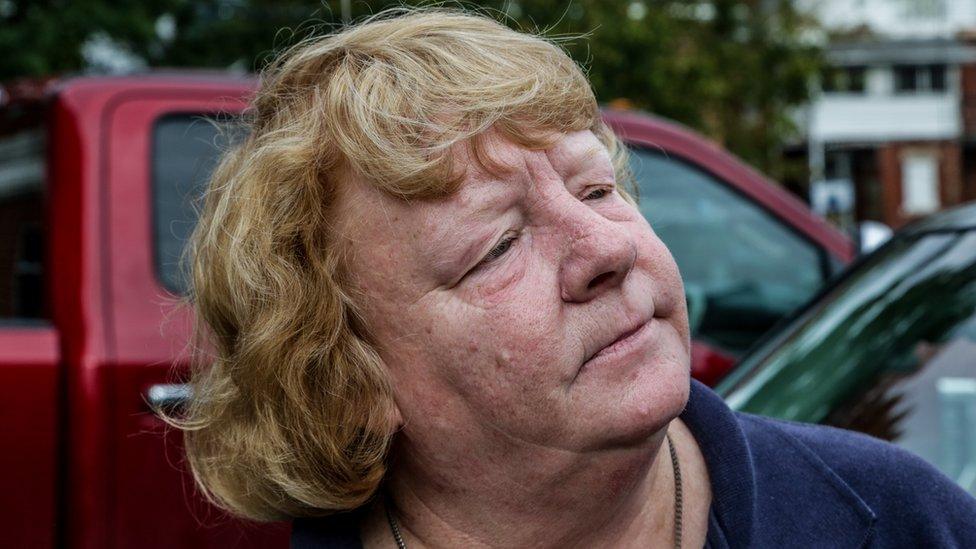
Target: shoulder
{"x":911,"y":500}
{"x":867,"y":464}
{"x":845,"y":451}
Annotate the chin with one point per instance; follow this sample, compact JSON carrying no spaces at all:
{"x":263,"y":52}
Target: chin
{"x":647,"y":406}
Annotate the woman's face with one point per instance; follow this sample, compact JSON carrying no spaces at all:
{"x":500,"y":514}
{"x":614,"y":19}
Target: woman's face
{"x":507,"y":311}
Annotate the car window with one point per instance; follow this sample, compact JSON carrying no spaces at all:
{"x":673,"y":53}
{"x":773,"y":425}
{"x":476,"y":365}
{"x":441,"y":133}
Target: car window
{"x":23,"y":198}
{"x":743,"y":268}
{"x":185,"y":151}
{"x":922,"y":392}
{"x":888,"y":352}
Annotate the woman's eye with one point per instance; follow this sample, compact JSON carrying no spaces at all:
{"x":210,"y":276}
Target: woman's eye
{"x":498,"y":250}
{"x":597,"y":194}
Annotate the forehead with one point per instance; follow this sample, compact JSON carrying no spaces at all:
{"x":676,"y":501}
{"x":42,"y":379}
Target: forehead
{"x":493,"y":156}
{"x":498,"y":166}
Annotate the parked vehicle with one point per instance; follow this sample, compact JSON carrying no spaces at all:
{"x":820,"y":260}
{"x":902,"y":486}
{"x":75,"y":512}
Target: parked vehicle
{"x":97,"y":181}
{"x":889,"y":349}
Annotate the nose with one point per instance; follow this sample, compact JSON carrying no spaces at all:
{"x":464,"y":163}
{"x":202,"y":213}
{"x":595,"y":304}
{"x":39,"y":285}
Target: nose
{"x":602,"y":254}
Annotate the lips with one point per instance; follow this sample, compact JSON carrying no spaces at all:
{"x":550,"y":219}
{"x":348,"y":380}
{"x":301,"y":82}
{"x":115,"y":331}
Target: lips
{"x":620,"y":341}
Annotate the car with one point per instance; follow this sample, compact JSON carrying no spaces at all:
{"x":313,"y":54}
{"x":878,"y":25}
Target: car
{"x":888,"y":349}
{"x":98,"y":178}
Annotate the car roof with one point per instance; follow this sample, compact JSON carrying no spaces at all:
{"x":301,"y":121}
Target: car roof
{"x":954,"y":219}
{"x":41,"y":89}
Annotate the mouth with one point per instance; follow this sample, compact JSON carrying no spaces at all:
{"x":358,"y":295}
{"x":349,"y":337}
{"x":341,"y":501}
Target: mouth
{"x":624,"y":342}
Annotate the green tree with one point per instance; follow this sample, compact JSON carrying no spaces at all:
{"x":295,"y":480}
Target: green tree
{"x":732,"y":69}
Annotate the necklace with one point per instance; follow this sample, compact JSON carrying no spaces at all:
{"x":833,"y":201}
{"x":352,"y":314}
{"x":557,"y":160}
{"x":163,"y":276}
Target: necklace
{"x":678,"y":492}
{"x":678,"y":503}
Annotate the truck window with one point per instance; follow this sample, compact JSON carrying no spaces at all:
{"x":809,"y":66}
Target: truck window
{"x":22,"y":207}
{"x":185,"y":151}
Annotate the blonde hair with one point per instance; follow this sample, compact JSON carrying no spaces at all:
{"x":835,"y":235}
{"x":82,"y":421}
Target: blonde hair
{"x":291,"y":410}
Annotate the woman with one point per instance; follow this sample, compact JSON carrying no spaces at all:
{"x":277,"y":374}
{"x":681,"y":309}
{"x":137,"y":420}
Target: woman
{"x":437,"y":319}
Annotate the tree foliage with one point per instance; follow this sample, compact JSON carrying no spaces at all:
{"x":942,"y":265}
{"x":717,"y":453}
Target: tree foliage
{"x":733,"y":69}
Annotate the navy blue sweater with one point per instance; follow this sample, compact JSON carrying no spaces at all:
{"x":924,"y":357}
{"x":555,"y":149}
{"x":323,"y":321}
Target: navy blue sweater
{"x":781,"y":484}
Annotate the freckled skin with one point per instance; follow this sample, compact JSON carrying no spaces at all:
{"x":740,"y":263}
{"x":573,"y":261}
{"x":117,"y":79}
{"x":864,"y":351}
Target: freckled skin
{"x":488,"y":371}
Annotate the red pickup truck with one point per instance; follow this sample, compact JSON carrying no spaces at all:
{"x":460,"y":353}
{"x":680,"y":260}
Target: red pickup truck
{"x":97,"y":180}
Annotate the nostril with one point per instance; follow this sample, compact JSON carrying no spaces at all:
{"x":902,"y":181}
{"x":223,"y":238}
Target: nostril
{"x":599,"y":279}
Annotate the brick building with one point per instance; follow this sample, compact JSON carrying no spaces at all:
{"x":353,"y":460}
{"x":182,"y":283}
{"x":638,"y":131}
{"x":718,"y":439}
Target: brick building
{"x":896,"y":116}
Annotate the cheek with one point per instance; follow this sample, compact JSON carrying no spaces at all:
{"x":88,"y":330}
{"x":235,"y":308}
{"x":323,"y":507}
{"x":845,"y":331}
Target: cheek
{"x":512,"y":340}
{"x":506,"y":354}
{"x":655,"y":258}
{"x":670,"y":295}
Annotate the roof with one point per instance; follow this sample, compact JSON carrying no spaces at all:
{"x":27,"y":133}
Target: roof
{"x":897,"y":52}
{"x":954,"y":219}
{"x":39,"y":89}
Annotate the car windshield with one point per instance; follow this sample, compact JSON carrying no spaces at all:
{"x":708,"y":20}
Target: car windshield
{"x":888,"y":351}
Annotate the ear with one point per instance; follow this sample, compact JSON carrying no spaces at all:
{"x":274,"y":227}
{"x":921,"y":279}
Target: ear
{"x":396,"y":418}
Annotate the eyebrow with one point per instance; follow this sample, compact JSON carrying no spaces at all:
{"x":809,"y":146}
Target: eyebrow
{"x":584,"y":162}
{"x":588,"y":155}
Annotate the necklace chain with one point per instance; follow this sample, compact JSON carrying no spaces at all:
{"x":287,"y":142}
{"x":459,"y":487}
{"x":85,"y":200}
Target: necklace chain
{"x":678,"y":503}
{"x":394,"y":526}
{"x":678,"y":492}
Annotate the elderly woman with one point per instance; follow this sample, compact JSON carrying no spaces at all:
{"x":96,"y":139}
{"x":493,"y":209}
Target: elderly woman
{"x":436,"y":319}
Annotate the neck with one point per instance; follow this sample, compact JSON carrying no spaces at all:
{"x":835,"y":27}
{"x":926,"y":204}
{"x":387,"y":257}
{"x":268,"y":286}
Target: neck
{"x":532,"y":496}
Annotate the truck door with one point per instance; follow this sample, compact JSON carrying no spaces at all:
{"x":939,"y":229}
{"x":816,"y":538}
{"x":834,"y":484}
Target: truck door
{"x":162,"y":145}
{"x":29,"y":353}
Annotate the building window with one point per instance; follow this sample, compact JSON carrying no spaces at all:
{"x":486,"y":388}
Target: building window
{"x":919,"y":183}
{"x":844,"y":79}
{"x":920,"y":78}
{"x":923,"y":9}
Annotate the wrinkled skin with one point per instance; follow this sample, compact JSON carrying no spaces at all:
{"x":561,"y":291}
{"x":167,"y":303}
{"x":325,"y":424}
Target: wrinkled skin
{"x":487,"y":307}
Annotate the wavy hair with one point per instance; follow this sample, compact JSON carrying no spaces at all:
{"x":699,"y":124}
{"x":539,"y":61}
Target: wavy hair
{"x":291,"y":408}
